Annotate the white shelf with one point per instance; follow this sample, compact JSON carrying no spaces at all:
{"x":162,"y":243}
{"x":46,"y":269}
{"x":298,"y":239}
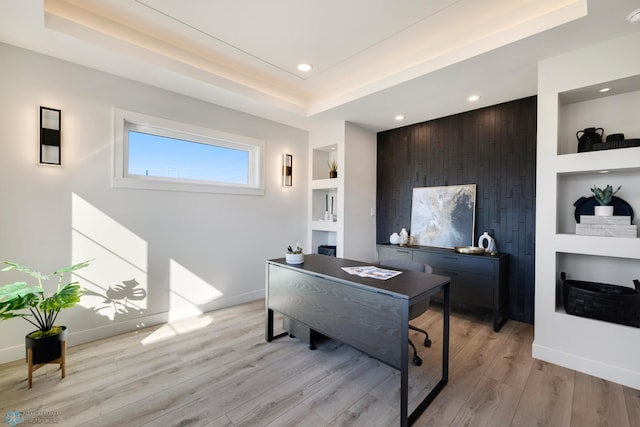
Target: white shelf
{"x":324,"y":225}
{"x":592,"y":162}
{"x":325,"y":184}
{"x":620,"y":247}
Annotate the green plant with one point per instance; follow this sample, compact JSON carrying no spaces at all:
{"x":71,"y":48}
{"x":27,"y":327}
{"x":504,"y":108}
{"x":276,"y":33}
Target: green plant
{"x":29,"y":302}
{"x":333,"y":165}
{"x":603,"y":197}
{"x":295,"y":250}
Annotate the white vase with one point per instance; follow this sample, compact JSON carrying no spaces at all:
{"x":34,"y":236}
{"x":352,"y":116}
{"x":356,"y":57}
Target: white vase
{"x":603,"y":210}
{"x":294,"y":258}
{"x":404,"y":237}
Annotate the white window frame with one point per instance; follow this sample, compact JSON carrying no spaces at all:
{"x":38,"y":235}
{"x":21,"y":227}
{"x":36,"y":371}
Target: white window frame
{"x":128,"y":120}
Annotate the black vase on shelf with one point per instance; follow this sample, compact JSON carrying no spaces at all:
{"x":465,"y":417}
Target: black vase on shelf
{"x":589,"y":138}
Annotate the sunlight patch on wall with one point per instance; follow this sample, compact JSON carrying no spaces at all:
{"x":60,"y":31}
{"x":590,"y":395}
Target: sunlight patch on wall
{"x":188,"y":292}
{"x":116,"y":284}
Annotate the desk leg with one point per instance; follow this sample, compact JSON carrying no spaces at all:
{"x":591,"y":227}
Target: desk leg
{"x":445,"y":360}
{"x":404,"y":367}
{"x":445,"y":332}
{"x":268,"y":334}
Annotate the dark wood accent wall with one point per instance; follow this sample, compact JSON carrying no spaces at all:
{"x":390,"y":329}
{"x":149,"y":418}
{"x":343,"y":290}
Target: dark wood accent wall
{"x":493,"y":147}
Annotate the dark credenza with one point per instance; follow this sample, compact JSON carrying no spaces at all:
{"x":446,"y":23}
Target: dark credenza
{"x":479,"y":280}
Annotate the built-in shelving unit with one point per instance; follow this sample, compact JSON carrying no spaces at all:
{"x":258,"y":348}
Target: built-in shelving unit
{"x":576,"y":173}
{"x":351,"y":225}
{"x":570,"y":100}
{"x":325,"y":221}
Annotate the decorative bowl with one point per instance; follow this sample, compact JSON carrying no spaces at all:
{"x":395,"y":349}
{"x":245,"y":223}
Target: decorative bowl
{"x":471,"y":250}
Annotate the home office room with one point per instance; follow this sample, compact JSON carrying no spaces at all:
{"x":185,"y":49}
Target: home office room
{"x":320,"y":214}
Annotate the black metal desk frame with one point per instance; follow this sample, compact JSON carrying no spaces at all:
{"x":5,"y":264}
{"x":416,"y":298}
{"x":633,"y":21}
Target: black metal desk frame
{"x":293,"y":286}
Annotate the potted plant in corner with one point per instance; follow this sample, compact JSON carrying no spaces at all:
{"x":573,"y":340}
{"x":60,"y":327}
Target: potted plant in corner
{"x":30,"y":302}
{"x":294,"y":255}
{"x":333,"y":168}
{"x":604,"y":197}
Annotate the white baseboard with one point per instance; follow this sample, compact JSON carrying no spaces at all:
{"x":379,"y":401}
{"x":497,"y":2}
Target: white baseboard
{"x":10,"y":354}
{"x":588,"y":366}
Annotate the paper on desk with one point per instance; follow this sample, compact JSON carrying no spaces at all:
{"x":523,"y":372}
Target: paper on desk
{"x":372,"y":271}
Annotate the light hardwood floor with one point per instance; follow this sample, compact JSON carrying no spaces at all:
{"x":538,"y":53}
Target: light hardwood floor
{"x":217,"y":370}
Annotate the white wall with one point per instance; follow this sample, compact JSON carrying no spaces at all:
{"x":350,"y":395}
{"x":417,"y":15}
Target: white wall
{"x":191,"y":251}
{"x":360,"y":178}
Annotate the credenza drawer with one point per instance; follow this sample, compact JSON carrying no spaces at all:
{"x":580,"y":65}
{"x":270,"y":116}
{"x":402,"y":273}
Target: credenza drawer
{"x":469,"y":288}
{"x":393,"y":252}
{"x":475,"y":264}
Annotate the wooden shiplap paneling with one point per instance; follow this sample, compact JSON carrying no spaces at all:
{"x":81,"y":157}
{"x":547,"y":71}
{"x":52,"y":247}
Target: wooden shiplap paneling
{"x":493,"y":147}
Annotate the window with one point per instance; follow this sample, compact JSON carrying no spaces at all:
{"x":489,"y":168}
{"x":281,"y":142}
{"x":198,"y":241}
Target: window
{"x":158,"y":154}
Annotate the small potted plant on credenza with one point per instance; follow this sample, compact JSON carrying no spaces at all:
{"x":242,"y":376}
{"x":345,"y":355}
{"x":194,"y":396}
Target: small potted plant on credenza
{"x":47,"y":344}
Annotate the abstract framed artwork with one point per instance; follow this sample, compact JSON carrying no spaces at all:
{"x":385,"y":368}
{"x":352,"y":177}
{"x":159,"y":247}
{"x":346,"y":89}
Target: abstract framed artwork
{"x":443,"y":216}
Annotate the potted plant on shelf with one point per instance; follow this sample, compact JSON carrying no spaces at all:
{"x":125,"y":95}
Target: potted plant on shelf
{"x":294,"y":255}
{"x":604,"y":197}
{"x":333,"y":168}
{"x":19,"y":299}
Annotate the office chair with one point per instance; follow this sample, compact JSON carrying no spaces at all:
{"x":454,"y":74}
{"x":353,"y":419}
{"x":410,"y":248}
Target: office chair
{"x":416,"y":309}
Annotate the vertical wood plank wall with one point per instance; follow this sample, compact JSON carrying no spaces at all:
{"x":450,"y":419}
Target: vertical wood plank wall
{"x":493,"y":147}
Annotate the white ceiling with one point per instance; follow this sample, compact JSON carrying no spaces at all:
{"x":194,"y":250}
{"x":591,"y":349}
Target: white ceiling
{"x":372,"y":59}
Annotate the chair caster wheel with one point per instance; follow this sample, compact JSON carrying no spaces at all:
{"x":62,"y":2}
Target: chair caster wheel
{"x":427,"y":342}
{"x":417,"y":361}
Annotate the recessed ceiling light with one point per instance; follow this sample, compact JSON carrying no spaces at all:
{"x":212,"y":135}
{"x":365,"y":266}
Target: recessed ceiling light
{"x":605,"y":89}
{"x":399,"y":118}
{"x":304,"y":67}
{"x":473,"y":98}
{"x":634,"y":16}
{"x":603,"y":171}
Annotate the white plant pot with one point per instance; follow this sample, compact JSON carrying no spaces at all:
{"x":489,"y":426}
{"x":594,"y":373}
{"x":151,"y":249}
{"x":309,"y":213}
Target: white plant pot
{"x":294,"y":258}
{"x":603,"y":210}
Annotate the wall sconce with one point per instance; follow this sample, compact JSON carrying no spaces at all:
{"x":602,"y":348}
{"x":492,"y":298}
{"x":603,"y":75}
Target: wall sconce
{"x":287,"y":170}
{"x":50,"y":136}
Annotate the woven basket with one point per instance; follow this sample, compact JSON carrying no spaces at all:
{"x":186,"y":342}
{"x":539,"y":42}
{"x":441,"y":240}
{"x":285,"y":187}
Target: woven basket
{"x":612,"y":303}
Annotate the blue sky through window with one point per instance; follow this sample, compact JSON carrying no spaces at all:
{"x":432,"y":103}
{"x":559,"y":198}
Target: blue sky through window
{"x":159,"y":156}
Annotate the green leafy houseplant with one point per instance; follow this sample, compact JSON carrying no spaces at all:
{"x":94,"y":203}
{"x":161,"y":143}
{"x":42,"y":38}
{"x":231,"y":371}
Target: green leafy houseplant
{"x":31,"y":303}
{"x":604,"y":197}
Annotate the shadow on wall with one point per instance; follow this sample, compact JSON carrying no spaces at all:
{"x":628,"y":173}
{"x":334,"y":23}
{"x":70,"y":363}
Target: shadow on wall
{"x":119,"y":253}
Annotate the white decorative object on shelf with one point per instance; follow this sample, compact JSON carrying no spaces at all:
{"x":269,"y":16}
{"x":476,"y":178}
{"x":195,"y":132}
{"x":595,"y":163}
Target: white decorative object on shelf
{"x":404,"y":236}
{"x":609,"y":226}
{"x":608,"y":230}
{"x":603,"y":210}
{"x":488,"y":243}
{"x":394,"y":239}
{"x":617,"y":219}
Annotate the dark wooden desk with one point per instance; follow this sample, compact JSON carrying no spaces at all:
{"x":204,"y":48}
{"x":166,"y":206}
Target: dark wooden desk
{"x":368,"y":314}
